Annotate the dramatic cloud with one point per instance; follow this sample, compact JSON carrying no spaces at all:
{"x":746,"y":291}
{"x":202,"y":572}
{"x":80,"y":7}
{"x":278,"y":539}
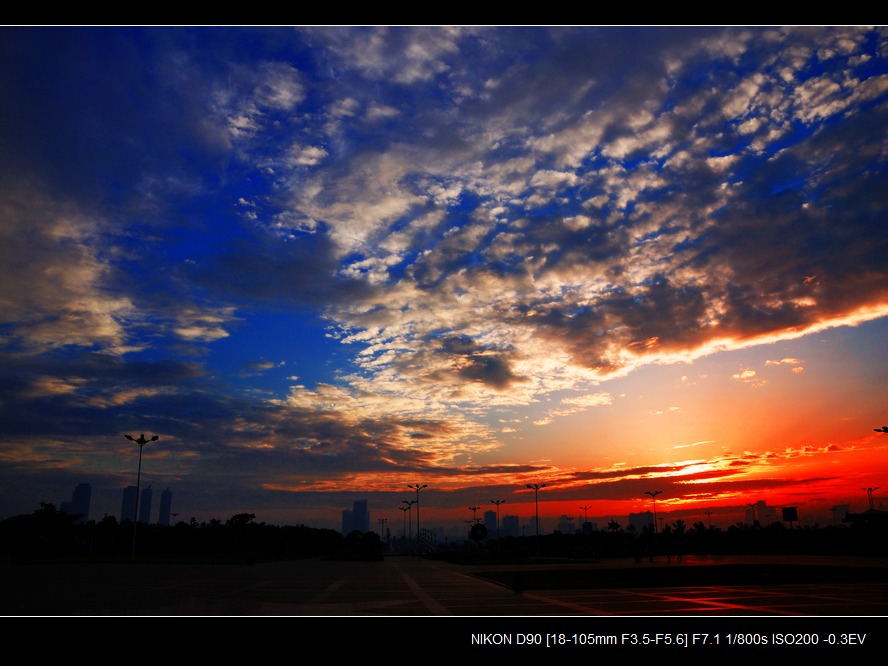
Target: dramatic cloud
{"x":313,"y":257}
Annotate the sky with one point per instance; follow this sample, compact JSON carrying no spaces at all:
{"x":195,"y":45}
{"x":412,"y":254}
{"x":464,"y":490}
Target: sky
{"x":326,"y":263}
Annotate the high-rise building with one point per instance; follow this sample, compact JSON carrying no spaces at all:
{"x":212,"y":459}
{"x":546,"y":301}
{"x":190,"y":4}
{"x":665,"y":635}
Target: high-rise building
{"x":145,"y":506}
{"x":589,"y":527}
{"x":79,"y":504}
{"x":166,"y":505}
{"x":128,"y":506}
{"x":490,"y":523}
{"x":767,"y":514}
{"x":761,"y":513}
{"x":356,"y":519}
{"x":642,"y":521}
{"x":80,"y":500}
{"x":509,"y":526}
{"x":360,"y":516}
{"x":566,"y":525}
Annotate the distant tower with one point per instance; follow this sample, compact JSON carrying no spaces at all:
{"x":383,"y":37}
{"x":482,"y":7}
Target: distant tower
{"x":347,"y":522}
{"x":80,"y":501}
{"x":360,"y":516}
{"x":166,"y":504}
{"x":128,"y":506}
{"x":356,"y":518}
{"x":145,"y":506}
{"x":641,"y":521}
{"x":79,"y":504}
{"x":509,"y":526}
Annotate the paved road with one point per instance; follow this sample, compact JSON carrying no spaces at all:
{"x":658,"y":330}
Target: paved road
{"x":409,"y":586}
{"x":695,"y":611}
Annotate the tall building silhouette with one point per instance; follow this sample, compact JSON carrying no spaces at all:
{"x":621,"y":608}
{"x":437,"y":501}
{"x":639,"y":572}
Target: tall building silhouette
{"x":356,"y":518}
{"x":509,"y":526}
{"x":128,"y":505}
{"x":566,"y":525}
{"x":761,"y":513}
{"x":642,"y":521}
{"x":145,"y":506}
{"x":361,"y":516}
{"x":79,"y":504}
{"x":166,"y":504}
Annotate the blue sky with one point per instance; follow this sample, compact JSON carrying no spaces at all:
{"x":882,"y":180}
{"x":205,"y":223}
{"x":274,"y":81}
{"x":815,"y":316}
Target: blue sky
{"x":322,"y":263}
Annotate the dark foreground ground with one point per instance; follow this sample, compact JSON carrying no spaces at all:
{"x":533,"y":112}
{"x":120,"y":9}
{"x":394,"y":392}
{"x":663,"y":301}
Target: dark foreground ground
{"x":695,"y":610}
{"x":414,"y":586}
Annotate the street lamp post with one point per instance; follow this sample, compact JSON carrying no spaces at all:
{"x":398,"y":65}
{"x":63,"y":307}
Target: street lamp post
{"x":536,"y":500}
{"x":709,"y":519}
{"x":497,"y":502}
{"x":409,"y":506}
{"x":141,"y":441}
{"x":834,"y":510}
{"x":417,"y":487}
{"x":405,"y":509}
{"x":585,"y":510}
{"x":653,"y":494}
{"x":869,"y":496}
{"x":382,"y":522}
{"x":474,"y":510}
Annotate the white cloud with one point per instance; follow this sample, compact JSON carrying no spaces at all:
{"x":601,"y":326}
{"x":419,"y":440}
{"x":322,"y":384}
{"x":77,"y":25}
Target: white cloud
{"x":749,"y":377}
{"x":299,"y":155}
{"x":381,"y":112}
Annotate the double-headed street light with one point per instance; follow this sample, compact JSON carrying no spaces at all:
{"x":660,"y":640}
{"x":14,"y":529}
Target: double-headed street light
{"x":653,"y":494}
{"x":474,"y":510}
{"x":834,"y":509}
{"x":497,"y":502}
{"x":869,"y":496}
{"x":409,"y":506}
{"x":141,"y":441}
{"x":405,"y":509}
{"x":417,"y":488}
{"x":535,"y":487}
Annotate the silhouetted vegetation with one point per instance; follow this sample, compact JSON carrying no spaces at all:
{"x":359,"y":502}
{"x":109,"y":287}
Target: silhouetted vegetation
{"x":51,"y":534}
{"x":364,"y":546}
{"x":677,"y":540}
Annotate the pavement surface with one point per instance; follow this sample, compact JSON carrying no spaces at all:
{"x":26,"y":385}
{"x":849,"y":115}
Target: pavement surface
{"x":407,"y":586}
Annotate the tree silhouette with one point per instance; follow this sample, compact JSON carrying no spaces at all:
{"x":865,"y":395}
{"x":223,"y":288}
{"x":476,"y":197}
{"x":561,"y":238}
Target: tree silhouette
{"x":241,"y":519}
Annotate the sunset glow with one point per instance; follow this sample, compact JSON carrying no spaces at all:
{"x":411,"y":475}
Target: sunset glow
{"x":323,"y":264}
